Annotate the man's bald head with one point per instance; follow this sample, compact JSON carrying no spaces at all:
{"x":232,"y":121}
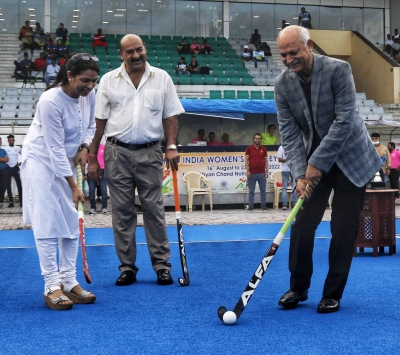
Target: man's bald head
{"x":128,"y":38}
{"x":297,"y":33}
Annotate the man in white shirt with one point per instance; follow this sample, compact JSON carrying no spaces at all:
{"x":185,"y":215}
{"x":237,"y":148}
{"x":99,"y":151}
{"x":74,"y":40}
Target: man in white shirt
{"x":52,"y":70}
{"x":258,"y":55}
{"x":388,"y":44}
{"x":131,"y":104}
{"x":285,"y":179}
{"x":13,"y":165}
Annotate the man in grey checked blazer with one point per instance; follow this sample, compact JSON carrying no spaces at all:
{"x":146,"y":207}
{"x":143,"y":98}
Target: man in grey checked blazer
{"x":327,"y":147}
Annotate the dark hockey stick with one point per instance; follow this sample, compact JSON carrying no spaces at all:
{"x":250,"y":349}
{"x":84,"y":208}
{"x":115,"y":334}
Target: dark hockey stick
{"x":185,"y":280}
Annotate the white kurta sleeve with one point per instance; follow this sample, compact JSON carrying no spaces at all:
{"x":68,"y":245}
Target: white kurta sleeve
{"x":92,"y":120}
{"x":54,"y":137}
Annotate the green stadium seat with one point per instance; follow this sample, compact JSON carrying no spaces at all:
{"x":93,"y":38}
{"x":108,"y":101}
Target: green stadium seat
{"x":215,"y":94}
{"x":247,"y":80}
{"x":165,"y":63}
{"x":162,"y":56}
{"x":110,"y":38}
{"x":269,"y":95}
{"x":235,"y":80}
{"x":197,"y":79}
{"x":218,"y":71}
{"x":74,"y":36}
{"x":223,"y":80}
{"x":242,"y":94}
{"x":209,"y":80}
{"x":184,"y":79}
{"x":86,"y":36}
{"x":230,"y":71}
{"x":166,"y":38}
{"x":229,"y":94}
{"x":174,"y":79}
{"x":256,"y":95}
{"x":153,"y":62}
{"x":242,"y":72}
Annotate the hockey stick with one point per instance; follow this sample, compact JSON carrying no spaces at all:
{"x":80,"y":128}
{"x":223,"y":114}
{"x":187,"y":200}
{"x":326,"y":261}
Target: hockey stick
{"x":86,"y":272}
{"x":230,"y":317}
{"x":186,"y":280}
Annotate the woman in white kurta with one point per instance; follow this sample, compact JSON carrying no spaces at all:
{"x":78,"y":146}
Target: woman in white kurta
{"x":58,"y":140}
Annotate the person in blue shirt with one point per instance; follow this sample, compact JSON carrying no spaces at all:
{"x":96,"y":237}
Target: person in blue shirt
{"x":304,"y":18}
{"x":3,"y":173}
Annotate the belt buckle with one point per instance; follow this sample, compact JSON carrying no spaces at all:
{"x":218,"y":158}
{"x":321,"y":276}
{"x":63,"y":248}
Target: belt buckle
{"x":113,"y":140}
{"x":132,"y":147}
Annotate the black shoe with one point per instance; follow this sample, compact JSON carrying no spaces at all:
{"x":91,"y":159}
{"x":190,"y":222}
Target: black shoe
{"x":10,"y":205}
{"x":126,"y":278}
{"x":328,"y":305}
{"x":164,"y":277}
{"x":291,"y":298}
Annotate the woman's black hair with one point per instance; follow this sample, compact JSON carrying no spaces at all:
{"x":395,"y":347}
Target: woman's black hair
{"x":76,"y":65}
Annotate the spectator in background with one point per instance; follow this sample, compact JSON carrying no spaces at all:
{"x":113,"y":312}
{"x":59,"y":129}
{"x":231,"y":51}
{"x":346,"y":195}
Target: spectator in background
{"x":396,"y":50}
{"x":3,"y":173}
{"x":184,"y":47}
{"x":62,"y":48}
{"x":13,"y":164}
{"x":38,"y":30}
{"x":268,"y":138}
{"x":41,"y":44}
{"x":51,"y":57}
{"x":29,"y":43}
{"x":26,"y":31}
{"x":52,"y":70}
{"x":195,"y":47}
{"x":225,"y":140}
{"x":285,"y":24}
{"x":256,"y":160}
{"x":211,"y":140}
{"x":396,"y":35}
{"x":388,"y":44}
{"x":99,"y":39}
{"x":200,"y":136}
{"x":304,"y":18}
{"x":394,"y":168}
{"x":255,"y":37}
{"x":24,"y":65}
{"x":267,"y":49}
{"x":258,"y":55}
{"x":61,"y":31}
{"x":40,"y":63}
{"x":50,"y":47}
{"x":49,"y":40}
{"x":384,"y":154}
{"x":102,"y":183}
{"x":194,"y":67}
{"x":66,"y":41}
{"x":286,"y":174}
{"x":246,"y":54}
{"x":182,"y":67}
{"x":63,"y":60}
{"x":205,"y":48}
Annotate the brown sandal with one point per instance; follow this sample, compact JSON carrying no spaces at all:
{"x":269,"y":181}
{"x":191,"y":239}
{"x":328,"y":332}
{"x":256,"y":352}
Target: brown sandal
{"x":84,"y":297}
{"x":56,"y":302}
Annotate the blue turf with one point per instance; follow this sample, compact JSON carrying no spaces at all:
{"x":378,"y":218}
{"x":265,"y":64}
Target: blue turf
{"x":148,"y":319}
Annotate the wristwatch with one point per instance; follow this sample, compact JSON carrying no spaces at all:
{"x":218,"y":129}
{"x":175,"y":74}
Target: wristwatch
{"x":85,"y":145}
{"x":172,"y":147}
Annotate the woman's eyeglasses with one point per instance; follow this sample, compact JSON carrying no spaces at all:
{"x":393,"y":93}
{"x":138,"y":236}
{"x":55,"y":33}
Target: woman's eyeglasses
{"x":83,"y":57}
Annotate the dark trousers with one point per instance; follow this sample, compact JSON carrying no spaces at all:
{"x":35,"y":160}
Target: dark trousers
{"x":348,"y":202}
{"x":14,"y":173}
{"x":103,"y":189}
{"x":394,"y":180}
{"x":3,"y":183}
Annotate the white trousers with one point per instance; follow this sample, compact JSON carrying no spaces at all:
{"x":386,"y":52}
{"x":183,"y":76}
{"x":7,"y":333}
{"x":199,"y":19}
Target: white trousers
{"x":65,"y":271}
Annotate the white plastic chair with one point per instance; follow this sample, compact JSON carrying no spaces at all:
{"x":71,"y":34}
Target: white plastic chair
{"x":361,"y":96}
{"x":11,"y":92}
{"x":369,"y":103}
{"x":197,"y":184}
{"x":359,"y":103}
{"x":373,"y":117}
{"x":276,"y":179}
{"x":378,"y":111}
{"x":364,"y":110}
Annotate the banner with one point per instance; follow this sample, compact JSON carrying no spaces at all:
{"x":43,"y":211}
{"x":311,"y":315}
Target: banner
{"x":226,"y":170}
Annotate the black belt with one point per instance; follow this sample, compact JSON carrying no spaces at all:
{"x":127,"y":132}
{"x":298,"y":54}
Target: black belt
{"x":131,"y":146}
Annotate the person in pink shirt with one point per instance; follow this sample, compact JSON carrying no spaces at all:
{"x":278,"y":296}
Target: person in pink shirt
{"x":200,"y":136}
{"x":394,"y":168}
{"x":225,"y":140}
{"x":211,"y":140}
{"x":195,"y":47}
{"x":102,"y":182}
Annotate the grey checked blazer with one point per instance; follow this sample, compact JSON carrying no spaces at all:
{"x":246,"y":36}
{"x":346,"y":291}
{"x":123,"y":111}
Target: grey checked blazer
{"x":345,"y":140}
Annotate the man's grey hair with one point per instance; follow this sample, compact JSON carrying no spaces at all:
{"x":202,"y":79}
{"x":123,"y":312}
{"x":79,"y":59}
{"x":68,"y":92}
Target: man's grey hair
{"x":304,"y":35}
